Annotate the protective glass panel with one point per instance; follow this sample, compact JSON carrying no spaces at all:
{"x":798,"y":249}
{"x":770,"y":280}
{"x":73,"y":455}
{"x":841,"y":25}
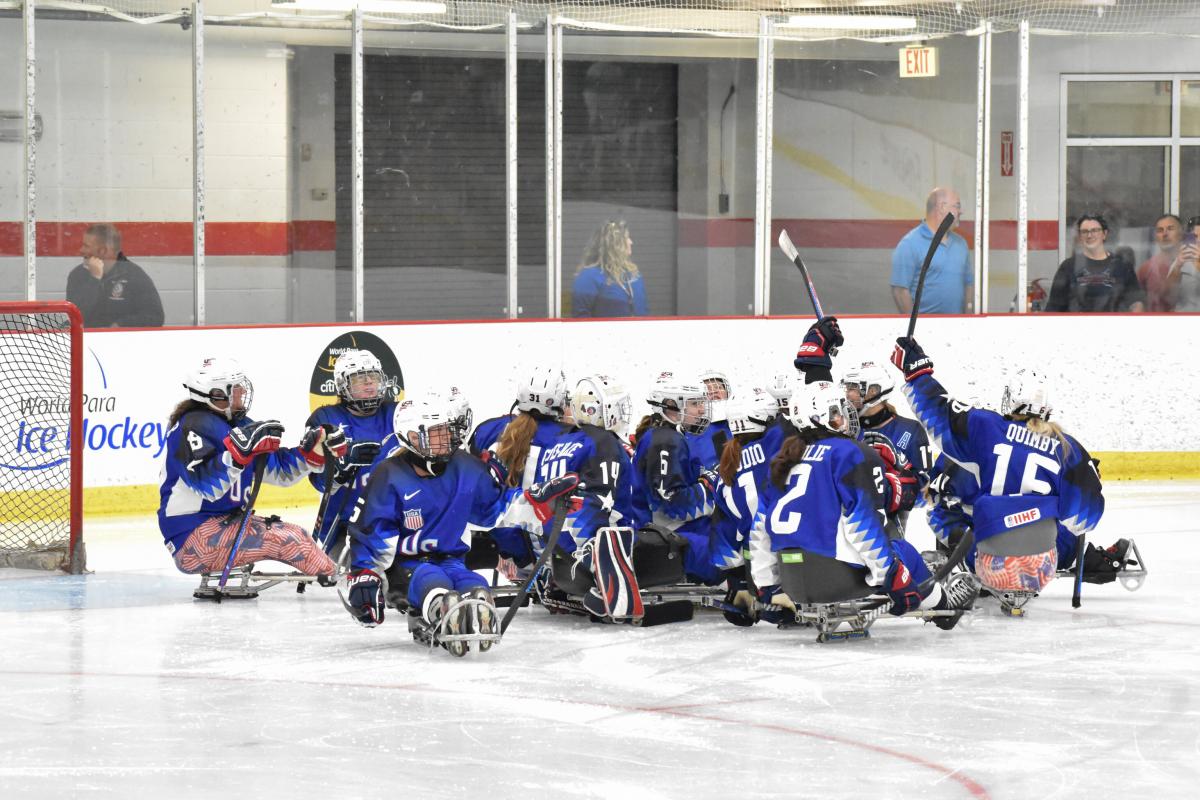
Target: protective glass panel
{"x":1189,"y":108}
{"x":12,"y":159}
{"x":857,"y":151}
{"x":658,"y":175}
{"x":116,"y":150}
{"x":434,"y":174}
{"x":1118,"y":108}
{"x":1189,"y":182}
{"x":269,"y":175}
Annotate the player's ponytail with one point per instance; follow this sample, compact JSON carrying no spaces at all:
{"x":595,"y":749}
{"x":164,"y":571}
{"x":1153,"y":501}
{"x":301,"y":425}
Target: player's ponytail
{"x":648,"y":422}
{"x":792,"y":452}
{"x":731,"y":459}
{"x":513,"y":449}
{"x":184,"y":407}
{"x":1047,"y":428}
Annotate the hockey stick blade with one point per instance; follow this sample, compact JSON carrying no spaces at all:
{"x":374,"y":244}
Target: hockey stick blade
{"x":666,"y":613}
{"x":789,"y":250}
{"x":560,"y":519}
{"x":1080,"y":548}
{"x":938,"y":235}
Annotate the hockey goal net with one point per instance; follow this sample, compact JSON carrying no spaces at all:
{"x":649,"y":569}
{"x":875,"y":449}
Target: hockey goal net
{"x":41,"y":436}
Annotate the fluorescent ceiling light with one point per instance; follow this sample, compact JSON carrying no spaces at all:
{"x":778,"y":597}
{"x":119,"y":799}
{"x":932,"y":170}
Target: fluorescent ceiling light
{"x":375,"y":6}
{"x":850,"y":22}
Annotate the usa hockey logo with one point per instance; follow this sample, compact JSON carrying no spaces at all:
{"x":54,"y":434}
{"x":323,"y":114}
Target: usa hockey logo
{"x":413,"y":519}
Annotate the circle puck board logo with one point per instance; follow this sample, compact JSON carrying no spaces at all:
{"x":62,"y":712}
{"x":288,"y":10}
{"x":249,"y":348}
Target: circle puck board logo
{"x":321,"y":391}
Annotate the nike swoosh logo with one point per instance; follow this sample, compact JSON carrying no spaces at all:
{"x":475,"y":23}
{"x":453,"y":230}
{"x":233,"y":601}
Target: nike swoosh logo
{"x":414,"y":494}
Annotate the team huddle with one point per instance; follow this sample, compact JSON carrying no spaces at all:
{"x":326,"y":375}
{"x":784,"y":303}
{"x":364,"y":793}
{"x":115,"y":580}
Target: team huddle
{"x":767,"y":501}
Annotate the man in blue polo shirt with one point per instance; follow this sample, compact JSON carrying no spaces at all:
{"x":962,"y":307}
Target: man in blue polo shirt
{"x":950,"y":284}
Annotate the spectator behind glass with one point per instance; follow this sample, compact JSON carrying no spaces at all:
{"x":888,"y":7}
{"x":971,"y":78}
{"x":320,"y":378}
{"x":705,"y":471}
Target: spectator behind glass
{"x":950,"y":284}
{"x":608,"y":283}
{"x":1093,"y":279}
{"x":110,"y":290}
{"x":1154,"y":273}
{"x":1186,"y":278}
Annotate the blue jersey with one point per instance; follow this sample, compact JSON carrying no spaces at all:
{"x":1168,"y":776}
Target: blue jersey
{"x":666,"y":483}
{"x":199,"y":479}
{"x":956,"y":490}
{"x":486,"y":435}
{"x":606,"y":473}
{"x":705,"y":448}
{"x":375,"y":428}
{"x":406,"y":516}
{"x":1022,"y":476}
{"x":738,"y":502}
{"x":908,"y":437}
{"x":831,"y":504}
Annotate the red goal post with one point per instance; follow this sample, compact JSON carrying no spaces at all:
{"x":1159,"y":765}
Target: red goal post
{"x":41,"y":436}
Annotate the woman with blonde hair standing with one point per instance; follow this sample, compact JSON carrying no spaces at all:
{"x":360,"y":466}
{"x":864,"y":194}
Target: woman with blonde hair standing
{"x":608,"y":283}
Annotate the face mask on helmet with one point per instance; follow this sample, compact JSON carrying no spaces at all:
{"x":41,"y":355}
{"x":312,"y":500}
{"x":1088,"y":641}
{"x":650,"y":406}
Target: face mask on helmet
{"x":684,"y":403}
{"x":425,"y":432}
{"x":599,"y":400}
{"x":221,"y":385}
{"x":359,"y":381}
{"x":823,"y":405}
{"x":868,"y":385}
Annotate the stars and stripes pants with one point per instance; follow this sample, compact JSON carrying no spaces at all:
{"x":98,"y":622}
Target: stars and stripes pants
{"x":267,"y":539}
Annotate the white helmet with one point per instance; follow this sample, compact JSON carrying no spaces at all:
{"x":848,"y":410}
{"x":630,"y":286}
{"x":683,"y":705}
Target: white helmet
{"x":351,"y":364}
{"x":753,"y":412}
{"x":780,"y":388}
{"x":221,"y":380}
{"x":815,"y":405}
{"x":686,"y":398}
{"x":424,"y":427}
{"x":715,"y":380}
{"x":544,"y":391}
{"x":461,"y":416}
{"x":1027,"y":392}
{"x":863,"y":377}
{"x":600,"y":400}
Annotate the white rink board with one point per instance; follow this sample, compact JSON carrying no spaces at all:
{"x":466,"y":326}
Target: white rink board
{"x":1122,"y":383}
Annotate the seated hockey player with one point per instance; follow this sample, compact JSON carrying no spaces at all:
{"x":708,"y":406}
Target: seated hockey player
{"x":706,"y":446}
{"x":671,"y":490}
{"x":364,"y":414}
{"x":211,"y":448}
{"x":825,"y":501}
{"x":596,"y":548}
{"x":407,"y":534}
{"x":867,"y":388}
{"x":1038,"y":487}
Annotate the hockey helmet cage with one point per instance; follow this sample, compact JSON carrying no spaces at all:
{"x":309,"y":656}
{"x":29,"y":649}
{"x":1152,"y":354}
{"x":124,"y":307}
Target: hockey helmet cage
{"x":1027,"y":393}
{"x":863,"y":378}
{"x":352,"y":374}
{"x":819,"y":405}
{"x":683,"y":401}
{"x":544,"y":391}
{"x":600,"y":400}
{"x":424,"y":428}
{"x":221,"y":380}
{"x":752,"y":413}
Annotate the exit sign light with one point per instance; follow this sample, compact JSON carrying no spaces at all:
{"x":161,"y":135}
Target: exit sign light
{"x":918,"y":62}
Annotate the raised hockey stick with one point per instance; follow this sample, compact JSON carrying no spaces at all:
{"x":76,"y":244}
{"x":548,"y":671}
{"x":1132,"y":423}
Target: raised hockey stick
{"x":560,"y":519}
{"x":260,"y":466}
{"x":789,"y":250}
{"x":1080,"y":549}
{"x":938,"y":235}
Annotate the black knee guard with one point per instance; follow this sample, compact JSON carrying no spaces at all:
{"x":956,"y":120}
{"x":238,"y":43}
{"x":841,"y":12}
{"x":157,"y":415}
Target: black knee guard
{"x":484,"y":552}
{"x":398,"y":578}
{"x":658,"y":557}
{"x":569,"y":575}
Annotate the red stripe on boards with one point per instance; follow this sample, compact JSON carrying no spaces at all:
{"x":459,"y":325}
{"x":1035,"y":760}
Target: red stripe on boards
{"x":851,"y":234}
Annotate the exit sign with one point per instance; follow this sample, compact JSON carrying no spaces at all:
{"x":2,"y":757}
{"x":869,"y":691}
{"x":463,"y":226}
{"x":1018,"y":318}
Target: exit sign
{"x":918,"y":62}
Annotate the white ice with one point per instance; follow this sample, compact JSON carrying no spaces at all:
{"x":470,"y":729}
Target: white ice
{"x":119,"y":683}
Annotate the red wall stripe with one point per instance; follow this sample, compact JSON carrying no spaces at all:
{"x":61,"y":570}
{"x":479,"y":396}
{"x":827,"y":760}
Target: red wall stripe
{"x":151,"y":239}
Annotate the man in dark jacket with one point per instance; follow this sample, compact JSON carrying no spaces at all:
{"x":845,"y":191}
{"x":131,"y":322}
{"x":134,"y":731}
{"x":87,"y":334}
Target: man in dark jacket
{"x":110,"y":290}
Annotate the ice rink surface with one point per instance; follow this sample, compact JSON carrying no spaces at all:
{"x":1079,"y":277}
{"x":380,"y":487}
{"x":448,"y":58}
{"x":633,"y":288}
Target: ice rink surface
{"x":119,"y":683}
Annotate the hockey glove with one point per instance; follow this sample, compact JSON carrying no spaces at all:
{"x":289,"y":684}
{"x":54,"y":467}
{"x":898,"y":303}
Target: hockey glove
{"x":496,"y":467}
{"x":780,"y":609}
{"x":740,"y":597}
{"x":358,"y":455}
{"x":910,"y":359}
{"x":365,"y":602}
{"x":708,"y":479}
{"x":899,"y":587}
{"x":821,"y":342}
{"x":321,"y":440}
{"x":253,"y":439}
{"x":901,"y":479}
{"x":542,"y":495}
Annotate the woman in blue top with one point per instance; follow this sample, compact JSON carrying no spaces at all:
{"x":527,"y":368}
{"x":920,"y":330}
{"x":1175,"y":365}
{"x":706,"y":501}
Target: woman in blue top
{"x":608,"y":283}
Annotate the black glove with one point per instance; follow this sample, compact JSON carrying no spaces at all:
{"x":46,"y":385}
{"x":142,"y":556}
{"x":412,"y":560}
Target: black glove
{"x":253,"y":439}
{"x":708,"y":479}
{"x":910,"y":359}
{"x":358,"y":455}
{"x":899,"y":587}
{"x":366,"y":597}
{"x":820,"y":344}
{"x":780,"y":609}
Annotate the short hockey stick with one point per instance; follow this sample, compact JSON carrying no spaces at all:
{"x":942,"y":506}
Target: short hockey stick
{"x":789,"y":250}
{"x":260,"y":466}
{"x":1080,"y":549}
{"x":560,"y":519}
{"x":938,"y":235}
